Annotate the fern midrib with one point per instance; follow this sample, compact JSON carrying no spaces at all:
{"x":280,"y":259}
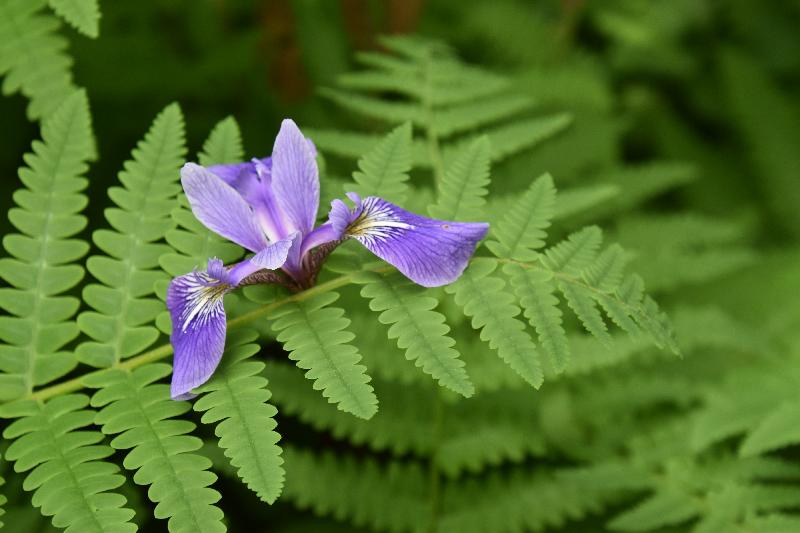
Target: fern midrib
{"x":174,"y":474}
{"x":129,"y":268}
{"x":41,"y":263}
{"x":76,"y":482}
{"x":434,"y":149}
{"x":350,"y":393}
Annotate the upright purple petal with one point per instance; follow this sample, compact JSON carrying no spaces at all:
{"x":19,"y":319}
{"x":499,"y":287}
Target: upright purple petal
{"x":430,"y":252}
{"x":243,"y":177}
{"x":220,"y":208}
{"x":295,"y":178}
{"x":198,"y":329}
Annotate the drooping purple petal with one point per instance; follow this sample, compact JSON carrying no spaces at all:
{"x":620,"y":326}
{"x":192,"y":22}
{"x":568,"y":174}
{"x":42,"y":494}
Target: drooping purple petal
{"x":295,"y":178}
{"x":244,"y":178}
{"x":430,"y":252}
{"x":198,"y":328}
{"x":220,"y":208}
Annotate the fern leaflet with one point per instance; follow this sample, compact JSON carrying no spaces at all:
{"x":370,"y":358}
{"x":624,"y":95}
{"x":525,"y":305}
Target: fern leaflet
{"x":83,"y":15}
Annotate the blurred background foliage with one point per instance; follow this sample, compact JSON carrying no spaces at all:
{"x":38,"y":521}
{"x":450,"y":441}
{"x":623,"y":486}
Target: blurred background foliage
{"x":684,"y":143}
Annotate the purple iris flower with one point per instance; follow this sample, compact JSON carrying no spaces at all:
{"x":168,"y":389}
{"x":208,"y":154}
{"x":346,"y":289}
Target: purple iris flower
{"x":269,"y":206}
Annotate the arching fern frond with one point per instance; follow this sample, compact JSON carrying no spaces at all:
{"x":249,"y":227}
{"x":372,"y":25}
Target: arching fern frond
{"x":32,"y":56}
{"x":71,"y":481}
{"x":124,"y":308}
{"x":316,"y":337}
{"x":419,"y":330}
{"x":41,"y":267}
{"x":142,"y":415}
{"x":83,"y":15}
{"x":236,"y":400}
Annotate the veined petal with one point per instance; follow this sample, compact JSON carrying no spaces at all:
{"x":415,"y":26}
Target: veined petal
{"x":430,"y":252}
{"x":198,"y":328}
{"x":220,"y":208}
{"x":295,"y":178}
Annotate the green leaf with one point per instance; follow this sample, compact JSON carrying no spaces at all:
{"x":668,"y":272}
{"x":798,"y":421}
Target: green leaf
{"x":462,"y":191}
{"x":71,"y":481}
{"x":535,"y":290}
{"x":419,"y":330}
{"x":483,"y":299}
{"x":383,"y":171}
{"x":83,"y":15}
{"x":778,"y":429}
{"x":120,"y":325}
{"x":39,"y":269}
{"x":32,"y":56}
{"x":223,"y":145}
{"x":236,"y":400}
{"x":316,"y":337}
{"x":522,"y":230}
{"x":142,"y":416}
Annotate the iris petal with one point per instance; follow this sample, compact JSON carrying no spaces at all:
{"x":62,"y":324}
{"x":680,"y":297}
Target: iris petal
{"x":295,"y":178}
{"x":198,"y":329}
{"x":244,"y":178}
{"x":220,"y":208}
{"x":430,"y":252}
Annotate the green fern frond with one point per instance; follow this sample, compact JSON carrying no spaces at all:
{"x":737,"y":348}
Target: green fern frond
{"x":575,"y":253}
{"x":32,"y":56}
{"x":316,"y":337}
{"x":71,"y":481}
{"x":392,"y":112}
{"x":236,"y":400}
{"x":522,"y":230}
{"x":83,"y":15}
{"x":492,"y":310}
{"x":464,"y":186}
{"x":40,"y":269}
{"x":383,"y":171}
{"x":124,"y":308}
{"x":142,"y":416}
{"x":356,"y":491}
{"x":419,"y":330}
